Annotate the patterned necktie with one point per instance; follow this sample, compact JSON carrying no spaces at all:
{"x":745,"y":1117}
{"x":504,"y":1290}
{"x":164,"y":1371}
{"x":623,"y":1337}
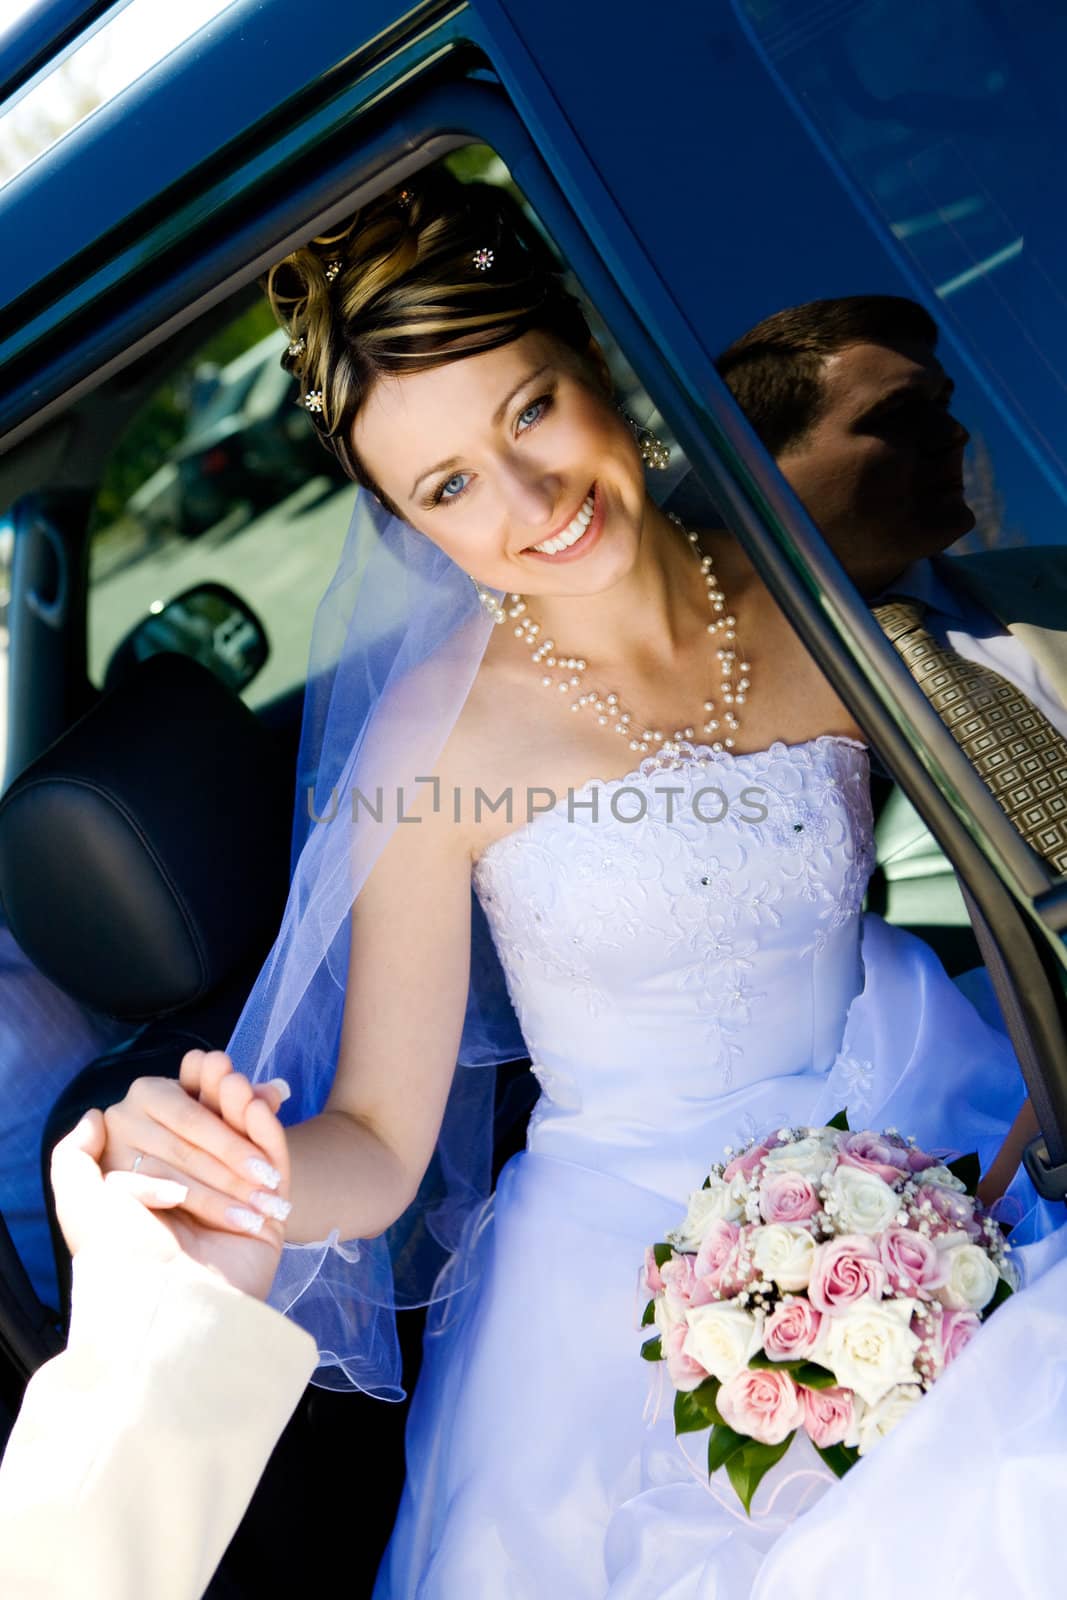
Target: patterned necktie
{"x":1013,"y":747}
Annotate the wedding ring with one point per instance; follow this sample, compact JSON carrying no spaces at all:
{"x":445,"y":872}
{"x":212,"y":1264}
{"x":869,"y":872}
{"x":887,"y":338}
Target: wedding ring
{"x":138,"y":1158}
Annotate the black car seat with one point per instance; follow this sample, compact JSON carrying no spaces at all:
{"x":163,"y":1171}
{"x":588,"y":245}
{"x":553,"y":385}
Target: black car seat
{"x":143,"y":869}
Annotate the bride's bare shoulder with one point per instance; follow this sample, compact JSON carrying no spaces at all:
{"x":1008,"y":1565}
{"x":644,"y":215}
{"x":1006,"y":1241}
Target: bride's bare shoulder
{"x":483,"y":742}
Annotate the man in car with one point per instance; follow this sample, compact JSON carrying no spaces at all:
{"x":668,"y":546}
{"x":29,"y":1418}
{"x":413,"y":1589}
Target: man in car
{"x":850,"y":398}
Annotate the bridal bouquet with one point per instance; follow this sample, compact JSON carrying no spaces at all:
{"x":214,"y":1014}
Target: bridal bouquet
{"x":821,"y":1281}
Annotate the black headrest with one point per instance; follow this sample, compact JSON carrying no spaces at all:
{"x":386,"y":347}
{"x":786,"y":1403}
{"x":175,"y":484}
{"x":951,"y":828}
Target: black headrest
{"x":144,"y":857}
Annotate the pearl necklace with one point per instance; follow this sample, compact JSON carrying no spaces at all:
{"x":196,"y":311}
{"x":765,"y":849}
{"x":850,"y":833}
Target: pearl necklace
{"x":608,"y":708}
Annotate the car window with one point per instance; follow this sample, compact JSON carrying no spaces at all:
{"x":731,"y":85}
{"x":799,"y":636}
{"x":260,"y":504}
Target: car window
{"x":942,"y":123}
{"x":221,"y":479}
{"x":945,"y":122}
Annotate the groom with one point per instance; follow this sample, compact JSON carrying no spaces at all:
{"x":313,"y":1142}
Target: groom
{"x":850,"y":398}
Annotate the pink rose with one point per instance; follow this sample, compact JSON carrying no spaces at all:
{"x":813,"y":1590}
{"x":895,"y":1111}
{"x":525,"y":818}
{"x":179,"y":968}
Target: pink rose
{"x":844,"y":1271}
{"x":653,"y":1280}
{"x":719,"y":1241}
{"x":745,"y":1164}
{"x":791,"y":1330}
{"x":678,"y":1281}
{"x":957,"y":1330}
{"x":718,"y":1248}
{"x":684,"y":1372}
{"x":787,"y":1197}
{"x":918,"y":1160}
{"x":913,"y":1262}
{"x":952,"y":1210}
{"x":828,"y":1415}
{"x":761,"y":1403}
{"x":870,"y":1152}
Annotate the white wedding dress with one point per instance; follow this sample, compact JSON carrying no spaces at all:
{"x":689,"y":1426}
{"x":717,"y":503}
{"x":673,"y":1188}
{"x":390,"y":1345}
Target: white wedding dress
{"x":681,"y":984}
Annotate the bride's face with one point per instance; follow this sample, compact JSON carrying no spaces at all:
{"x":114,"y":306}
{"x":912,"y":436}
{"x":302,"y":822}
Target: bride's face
{"x":497,"y":453}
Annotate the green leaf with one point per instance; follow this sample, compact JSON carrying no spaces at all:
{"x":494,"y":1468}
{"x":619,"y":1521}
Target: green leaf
{"x":808,"y":1373}
{"x":661,"y":1253}
{"x":967,"y":1170}
{"x":811,"y":1376}
{"x":840,"y":1122}
{"x":707,"y":1183}
{"x":748,"y":1467}
{"x":723,"y":1445}
{"x":650,"y":1315}
{"x":652,"y":1349}
{"x":840,"y":1458}
{"x":696,"y":1410}
{"x":1002,"y":1292}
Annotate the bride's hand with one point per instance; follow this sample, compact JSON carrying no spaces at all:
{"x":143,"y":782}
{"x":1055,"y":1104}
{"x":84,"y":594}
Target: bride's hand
{"x":231,"y":1184}
{"x":135,"y":1221}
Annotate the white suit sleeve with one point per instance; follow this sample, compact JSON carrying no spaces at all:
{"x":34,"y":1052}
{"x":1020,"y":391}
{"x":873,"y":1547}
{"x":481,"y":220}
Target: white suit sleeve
{"x":137,"y":1450}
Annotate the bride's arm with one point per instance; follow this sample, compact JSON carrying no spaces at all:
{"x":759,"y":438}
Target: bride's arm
{"x":357,"y":1166}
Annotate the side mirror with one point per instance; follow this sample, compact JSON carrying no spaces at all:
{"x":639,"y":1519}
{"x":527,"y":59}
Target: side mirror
{"x":209,"y":623}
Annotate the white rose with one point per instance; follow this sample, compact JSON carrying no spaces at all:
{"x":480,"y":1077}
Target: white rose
{"x":721,"y":1202}
{"x":881,"y":1419}
{"x":722,"y":1337}
{"x":810,"y":1157}
{"x":942,"y":1177}
{"x":861,"y":1202}
{"x":668,"y":1311}
{"x":972,"y":1278}
{"x":870,"y":1347}
{"x":783,"y":1252}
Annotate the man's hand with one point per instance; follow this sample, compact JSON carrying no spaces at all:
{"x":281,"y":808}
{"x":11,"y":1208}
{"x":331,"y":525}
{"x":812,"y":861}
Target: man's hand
{"x":140,"y":1219}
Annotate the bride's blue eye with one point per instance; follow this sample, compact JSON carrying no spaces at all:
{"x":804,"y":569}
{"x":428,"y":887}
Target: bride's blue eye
{"x":534,"y":413}
{"x":452,"y":489}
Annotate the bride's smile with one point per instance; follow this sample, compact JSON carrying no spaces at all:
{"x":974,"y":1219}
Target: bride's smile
{"x":513,"y":461}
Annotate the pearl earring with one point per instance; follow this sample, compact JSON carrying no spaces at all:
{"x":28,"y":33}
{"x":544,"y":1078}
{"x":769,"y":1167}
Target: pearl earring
{"x":489,"y":602}
{"x":654,"y":453}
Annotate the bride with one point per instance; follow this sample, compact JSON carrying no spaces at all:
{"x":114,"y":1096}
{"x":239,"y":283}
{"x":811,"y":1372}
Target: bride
{"x":662,"y":810}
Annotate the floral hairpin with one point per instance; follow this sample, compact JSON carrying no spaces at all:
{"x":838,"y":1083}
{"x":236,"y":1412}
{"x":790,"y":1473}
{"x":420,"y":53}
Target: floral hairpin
{"x":483,"y":259}
{"x":297,"y":346}
{"x":332,"y":269}
{"x":313,"y":400}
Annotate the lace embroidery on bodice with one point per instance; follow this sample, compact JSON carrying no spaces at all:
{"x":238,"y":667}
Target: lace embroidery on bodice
{"x":731,"y":861}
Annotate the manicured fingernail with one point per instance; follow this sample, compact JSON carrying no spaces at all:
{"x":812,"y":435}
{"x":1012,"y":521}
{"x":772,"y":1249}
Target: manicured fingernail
{"x":169,"y":1192}
{"x":284,"y":1091}
{"x":247,"y":1221}
{"x":262,"y":1173}
{"x":271,"y":1205}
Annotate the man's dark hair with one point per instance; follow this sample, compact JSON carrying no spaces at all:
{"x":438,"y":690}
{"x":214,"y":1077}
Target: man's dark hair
{"x":774,"y":371}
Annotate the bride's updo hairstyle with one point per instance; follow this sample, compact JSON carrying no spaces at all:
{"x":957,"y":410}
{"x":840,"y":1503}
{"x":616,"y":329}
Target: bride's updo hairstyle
{"x":422,"y":275}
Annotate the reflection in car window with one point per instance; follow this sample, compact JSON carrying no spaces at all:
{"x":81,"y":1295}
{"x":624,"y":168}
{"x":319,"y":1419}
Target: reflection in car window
{"x":206,"y":485}
{"x":946,"y":122}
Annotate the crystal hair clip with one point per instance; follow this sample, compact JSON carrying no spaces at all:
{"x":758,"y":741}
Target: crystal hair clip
{"x":404,"y":198}
{"x":332,"y":269}
{"x":297,"y":346}
{"x":483,"y":259}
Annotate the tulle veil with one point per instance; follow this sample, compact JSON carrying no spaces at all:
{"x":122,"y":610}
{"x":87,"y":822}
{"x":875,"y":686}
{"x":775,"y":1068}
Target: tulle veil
{"x":397,"y":641}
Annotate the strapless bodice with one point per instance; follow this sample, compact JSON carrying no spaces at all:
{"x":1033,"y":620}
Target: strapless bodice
{"x":678,"y":942}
